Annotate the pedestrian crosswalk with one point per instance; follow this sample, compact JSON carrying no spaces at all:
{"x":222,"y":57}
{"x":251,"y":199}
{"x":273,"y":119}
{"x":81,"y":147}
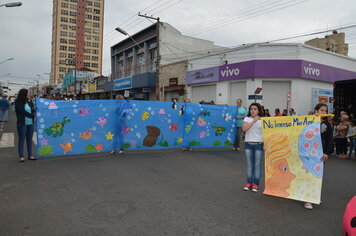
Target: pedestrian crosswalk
{"x":7,"y":140}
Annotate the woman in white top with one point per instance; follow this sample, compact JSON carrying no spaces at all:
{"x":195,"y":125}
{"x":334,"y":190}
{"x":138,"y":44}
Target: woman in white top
{"x":253,"y":146}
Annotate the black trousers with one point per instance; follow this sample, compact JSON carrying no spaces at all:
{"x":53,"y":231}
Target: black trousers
{"x":341,"y":145}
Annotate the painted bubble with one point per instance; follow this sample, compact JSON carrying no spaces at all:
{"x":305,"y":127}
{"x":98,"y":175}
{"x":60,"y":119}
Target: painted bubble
{"x":309,"y":134}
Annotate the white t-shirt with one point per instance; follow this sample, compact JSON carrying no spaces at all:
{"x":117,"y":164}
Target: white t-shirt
{"x":253,"y":134}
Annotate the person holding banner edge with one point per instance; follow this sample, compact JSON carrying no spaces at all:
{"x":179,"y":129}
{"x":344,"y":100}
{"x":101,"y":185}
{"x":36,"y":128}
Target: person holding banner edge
{"x":253,"y":146}
{"x":326,"y":132}
{"x":240,"y":115}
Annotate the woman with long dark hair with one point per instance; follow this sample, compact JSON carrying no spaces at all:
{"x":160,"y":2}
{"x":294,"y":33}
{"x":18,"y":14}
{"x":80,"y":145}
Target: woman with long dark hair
{"x":253,"y":146}
{"x":25,"y":113}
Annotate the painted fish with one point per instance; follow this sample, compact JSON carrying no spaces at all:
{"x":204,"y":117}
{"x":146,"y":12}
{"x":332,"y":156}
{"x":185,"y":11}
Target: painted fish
{"x":188,"y":128}
{"x":125,"y":130}
{"x":227,"y":117}
{"x":66,"y":147}
{"x":201,"y":121}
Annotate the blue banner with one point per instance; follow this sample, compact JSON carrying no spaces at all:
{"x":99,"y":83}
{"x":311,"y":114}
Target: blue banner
{"x":88,"y":126}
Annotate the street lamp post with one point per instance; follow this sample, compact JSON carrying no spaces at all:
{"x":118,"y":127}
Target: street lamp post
{"x":11,"y":4}
{"x":9,"y":59}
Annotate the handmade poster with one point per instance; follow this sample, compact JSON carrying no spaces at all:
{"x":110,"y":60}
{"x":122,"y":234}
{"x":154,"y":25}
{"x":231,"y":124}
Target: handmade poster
{"x":90,"y":126}
{"x":293,"y":150}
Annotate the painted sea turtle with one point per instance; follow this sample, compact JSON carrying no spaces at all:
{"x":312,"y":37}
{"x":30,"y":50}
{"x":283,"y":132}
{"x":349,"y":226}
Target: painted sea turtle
{"x":56,"y":128}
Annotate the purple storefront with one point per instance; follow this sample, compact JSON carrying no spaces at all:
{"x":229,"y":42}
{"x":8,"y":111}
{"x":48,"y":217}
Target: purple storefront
{"x":285,"y":83}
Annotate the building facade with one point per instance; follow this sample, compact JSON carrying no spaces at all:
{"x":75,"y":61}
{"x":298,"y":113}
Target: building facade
{"x":290,"y":75}
{"x":77,"y":36}
{"x":136,"y":64}
{"x":333,"y":43}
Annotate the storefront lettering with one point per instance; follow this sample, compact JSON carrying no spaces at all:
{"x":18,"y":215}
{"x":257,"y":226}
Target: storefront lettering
{"x":199,"y":75}
{"x":309,"y":70}
{"x":123,"y":83}
{"x":230,"y":72}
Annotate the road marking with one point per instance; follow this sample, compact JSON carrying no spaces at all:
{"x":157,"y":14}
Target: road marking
{"x":7,"y":140}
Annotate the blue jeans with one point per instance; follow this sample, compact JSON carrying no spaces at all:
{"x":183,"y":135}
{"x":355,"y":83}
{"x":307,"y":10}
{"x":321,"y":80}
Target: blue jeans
{"x":352,"y":146}
{"x":254,"y":154}
{"x":25,"y":132}
{"x":237,"y":137}
{"x":3,"y":115}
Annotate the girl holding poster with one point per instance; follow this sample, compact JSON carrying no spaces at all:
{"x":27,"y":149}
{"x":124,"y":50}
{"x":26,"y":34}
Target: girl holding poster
{"x":326,"y":132}
{"x":253,"y":146}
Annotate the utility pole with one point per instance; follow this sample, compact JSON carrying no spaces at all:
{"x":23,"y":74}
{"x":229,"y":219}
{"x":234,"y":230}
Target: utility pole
{"x":38,"y":85}
{"x":158,"y":55}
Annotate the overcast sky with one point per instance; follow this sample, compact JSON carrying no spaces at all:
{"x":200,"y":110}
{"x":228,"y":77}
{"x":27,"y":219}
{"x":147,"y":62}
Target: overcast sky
{"x":26,"y":30}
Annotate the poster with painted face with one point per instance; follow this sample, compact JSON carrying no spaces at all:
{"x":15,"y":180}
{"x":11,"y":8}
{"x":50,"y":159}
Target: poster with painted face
{"x":292,"y":157}
{"x":77,"y":127}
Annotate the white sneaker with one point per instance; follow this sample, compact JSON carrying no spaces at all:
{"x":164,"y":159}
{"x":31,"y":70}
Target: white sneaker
{"x":121,"y":152}
{"x":308,"y":206}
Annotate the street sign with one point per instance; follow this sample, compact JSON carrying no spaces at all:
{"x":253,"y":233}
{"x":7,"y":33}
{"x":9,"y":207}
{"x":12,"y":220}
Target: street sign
{"x":127,"y":93}
{"x":255,"y":97}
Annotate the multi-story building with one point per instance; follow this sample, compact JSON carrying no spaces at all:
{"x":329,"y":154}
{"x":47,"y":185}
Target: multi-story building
{"x":77,"y":36}
{"x":138,"y":62}
{"x":333,"y":43}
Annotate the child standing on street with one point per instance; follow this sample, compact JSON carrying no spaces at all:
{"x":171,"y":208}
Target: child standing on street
{"x":253,"y":146}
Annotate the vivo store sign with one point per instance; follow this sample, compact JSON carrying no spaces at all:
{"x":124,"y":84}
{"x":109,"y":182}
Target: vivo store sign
{"x":311,"y":70}
{"x":271,"y":69}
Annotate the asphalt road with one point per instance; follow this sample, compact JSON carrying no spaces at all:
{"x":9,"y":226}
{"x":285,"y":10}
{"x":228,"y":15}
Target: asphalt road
{"x":166,"y":192}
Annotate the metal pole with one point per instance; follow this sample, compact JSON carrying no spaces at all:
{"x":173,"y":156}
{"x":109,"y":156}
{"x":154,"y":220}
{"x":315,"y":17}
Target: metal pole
{"x":75,"y":79}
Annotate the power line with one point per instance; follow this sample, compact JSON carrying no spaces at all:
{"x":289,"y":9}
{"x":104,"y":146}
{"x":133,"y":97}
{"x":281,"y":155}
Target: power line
{"x":150,"y":12}
{"x":123,"y":23}
{"x":232,"y":48}
{"x":247,"y":16}
{"x":234,"y":14}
